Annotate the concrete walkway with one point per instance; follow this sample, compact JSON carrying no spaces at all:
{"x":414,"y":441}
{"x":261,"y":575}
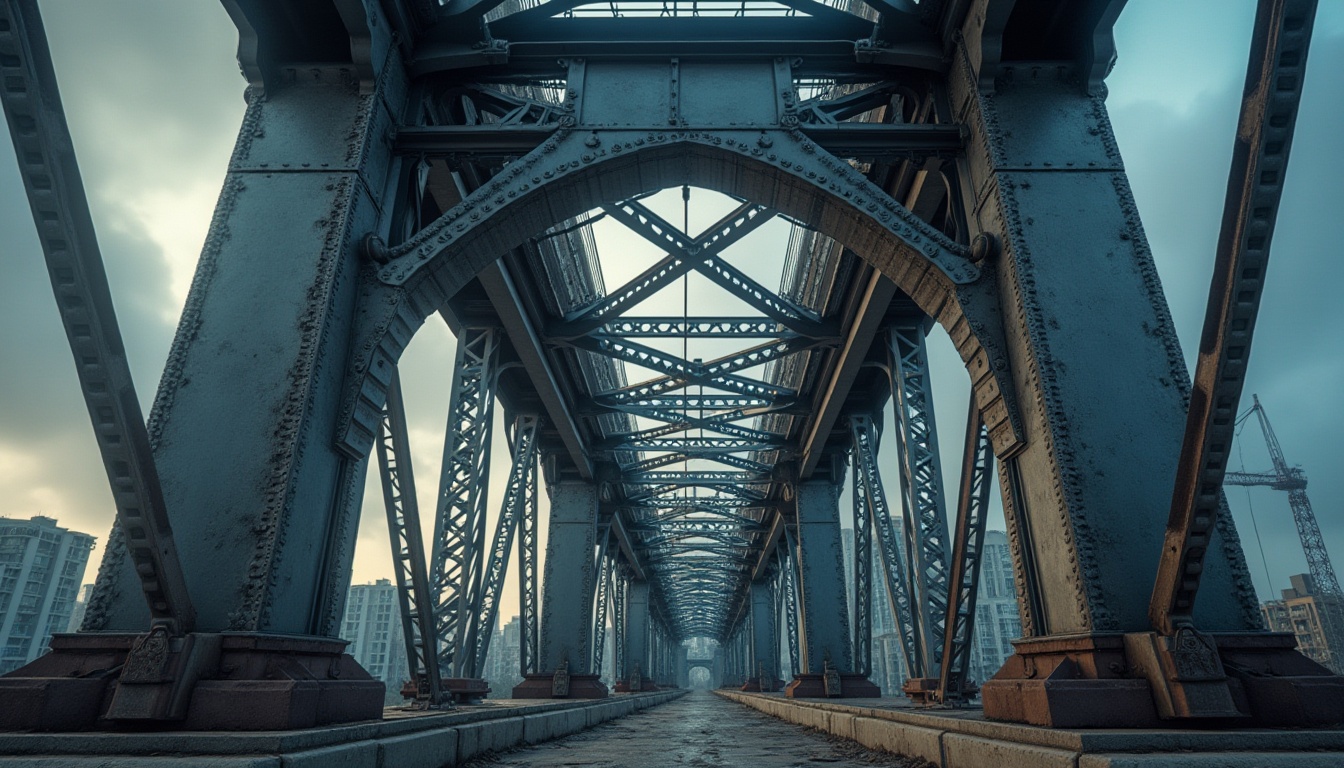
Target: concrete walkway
{"x":701,"y":730}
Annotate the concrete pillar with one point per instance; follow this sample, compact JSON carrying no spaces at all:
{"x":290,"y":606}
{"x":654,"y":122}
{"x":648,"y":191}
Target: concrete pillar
{"x":636,"y":634}
{"x":683,"y":675}
{"x":822,"y":602}
{"x":567,"y":594}
{"x":763,"y":666}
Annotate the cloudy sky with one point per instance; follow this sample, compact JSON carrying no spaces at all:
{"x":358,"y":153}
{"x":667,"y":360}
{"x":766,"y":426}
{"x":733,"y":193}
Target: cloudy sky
{"x":154,"y":99}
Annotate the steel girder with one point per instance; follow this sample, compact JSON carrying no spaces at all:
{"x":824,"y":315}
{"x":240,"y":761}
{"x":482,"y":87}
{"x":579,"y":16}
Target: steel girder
{"x":459,"y":526}
{"x":620,"y":582}
{"x":529,"y":603}
{"x":923,"y":501}
{"x":863,"y":573}
{"x":789,"y":577}
{"x":419,"y":629}
{"x":50,"y":173}
{"x":977,"y":475}
{"x":605,"y":564}
{"x":519,"y":498}
{"x":870,"y":494}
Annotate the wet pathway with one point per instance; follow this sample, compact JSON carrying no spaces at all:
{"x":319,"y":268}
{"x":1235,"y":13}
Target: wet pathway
{"x":700,"y":730}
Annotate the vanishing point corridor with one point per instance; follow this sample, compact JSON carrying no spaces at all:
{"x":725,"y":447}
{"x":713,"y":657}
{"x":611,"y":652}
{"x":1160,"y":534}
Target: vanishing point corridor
{"x":699,"y":729}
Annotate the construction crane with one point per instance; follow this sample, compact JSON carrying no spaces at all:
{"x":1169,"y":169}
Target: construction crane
{"x":1330,"y":609}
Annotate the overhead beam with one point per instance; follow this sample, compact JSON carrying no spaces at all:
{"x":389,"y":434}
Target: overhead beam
{"x":503,"y":294}
{"x":839,"y":139}
{"x":868,"y":321}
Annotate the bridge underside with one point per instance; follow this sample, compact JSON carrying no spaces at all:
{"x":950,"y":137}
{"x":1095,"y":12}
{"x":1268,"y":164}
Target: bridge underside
{"x":941,"y":163}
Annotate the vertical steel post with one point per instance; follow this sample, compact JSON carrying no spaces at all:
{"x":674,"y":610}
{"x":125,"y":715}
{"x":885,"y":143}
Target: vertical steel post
{"x":408,"y":547}
{"x":869,"y":491}
{"x":977,"y":475}
{"x":925,"y":511}
{"x":518,"y":493}
{"x":459,"y":526}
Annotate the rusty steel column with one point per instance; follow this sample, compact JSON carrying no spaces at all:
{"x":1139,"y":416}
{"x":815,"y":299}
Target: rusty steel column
{"x":1103,"y":396}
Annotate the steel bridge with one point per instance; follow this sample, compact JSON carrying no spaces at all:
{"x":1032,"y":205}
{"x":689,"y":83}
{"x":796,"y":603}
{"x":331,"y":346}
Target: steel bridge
{"x":942,"y":162}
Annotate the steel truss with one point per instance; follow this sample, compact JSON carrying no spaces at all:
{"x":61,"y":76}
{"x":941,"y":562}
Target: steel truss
{"x":408,"y":548}
{"x":922,"y":498}
{"x":977,"y":475}
{"x":519,"y":499}
{"x":459,"y":526}
{"x":870,"y":496}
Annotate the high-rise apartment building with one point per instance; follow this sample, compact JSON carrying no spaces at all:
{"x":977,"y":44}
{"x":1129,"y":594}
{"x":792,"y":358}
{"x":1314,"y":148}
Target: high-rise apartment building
{"x":503,"y":661}
{"x":81,"y":607}
{"x":888,"y":659}
{"x":373,"y":626}
{"x":1299,"y":612}
{"x":997,"y":621}
{"x":41,"y":568}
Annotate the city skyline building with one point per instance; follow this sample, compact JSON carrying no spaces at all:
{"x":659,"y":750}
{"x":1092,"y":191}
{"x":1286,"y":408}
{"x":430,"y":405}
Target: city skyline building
{"x":41,"y":568}
{"x":1298,"y":611}
{"x":502,"y":661}
{"x":372,"y":625}
{"x":81,"y":607}
{"x":997,"y":621}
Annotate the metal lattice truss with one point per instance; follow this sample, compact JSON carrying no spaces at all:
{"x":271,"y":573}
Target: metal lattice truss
{"x":697,"y":475}
{"x":459,"y":526}
{"x":924,"y":506}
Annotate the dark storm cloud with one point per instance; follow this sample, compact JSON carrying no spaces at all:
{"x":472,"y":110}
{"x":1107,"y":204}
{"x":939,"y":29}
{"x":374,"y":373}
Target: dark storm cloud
{"x":153,"y":100}
{"x":1177,"y":152}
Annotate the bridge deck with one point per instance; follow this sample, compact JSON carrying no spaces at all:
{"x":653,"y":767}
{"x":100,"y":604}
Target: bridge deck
{"x":699,"y":729}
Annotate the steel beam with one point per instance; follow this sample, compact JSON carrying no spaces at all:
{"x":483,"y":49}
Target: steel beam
{"x":459,"y":525}
{"x":60,"y":209}
{"x":1273,"y":92}
{"x":416,"y":601}
{"x":977,"y":475}
{"x":531,"y":351}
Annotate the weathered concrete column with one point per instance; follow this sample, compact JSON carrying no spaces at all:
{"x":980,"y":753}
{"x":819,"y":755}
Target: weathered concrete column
{"x":763,"y":666}
{"x":636,"y":639}
{"x":567,"y":595}
{"x":683,"y":676}
{"x":822,"y":603}
{"x":1102,"y":387}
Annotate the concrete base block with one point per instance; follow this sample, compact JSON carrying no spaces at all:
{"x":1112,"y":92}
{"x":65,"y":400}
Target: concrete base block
{"x":402,"y":740}
{"x":488,"y":736}
{"x":430,"y":749}
{"x":1220,"y":760}
{"x":960,"y":751}
{"x":966,"y":739}
{"x":899,"y":739}
{"x":142,"y":762}
{"x":363,"y":755}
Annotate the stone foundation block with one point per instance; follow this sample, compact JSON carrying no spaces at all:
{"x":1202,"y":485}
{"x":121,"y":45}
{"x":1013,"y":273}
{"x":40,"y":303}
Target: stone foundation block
{"x":899,"y":738}
{"x":363,"y":755}
{"x":488,"y":736}
{"x":962,"y":751}
{"x":1218,"y":760}
{"x":431,"y":749}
